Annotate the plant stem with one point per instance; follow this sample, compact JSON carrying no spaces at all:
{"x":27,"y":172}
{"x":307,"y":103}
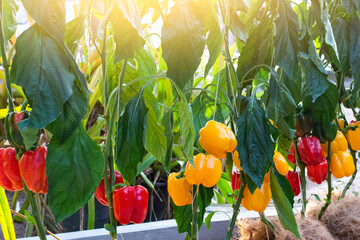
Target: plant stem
{"x":352,"y":177}
{"x":14,"y":200}
{"x":194,"y":228}
{"x":327,"y":203}
{"x":303,"y":180}
{"x":237,"y":206}
{"x":4,"y":58}
{"x":91,"y":213}
{"x":267,"y":222}
{"x":35,"y":213}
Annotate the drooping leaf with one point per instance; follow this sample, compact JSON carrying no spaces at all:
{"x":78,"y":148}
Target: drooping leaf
{"x":183,"y":41}
{"x":74,"y":170}
{"x":128,"y":33}
{"x":237,"y":28}
{"x":41,"y":67}
{"x":167,"y":123}
{"x":342,"y":33}
{"x":204,"y":200}
{"x":283,"y":206}
{"x":286,"y":39}
{"x":255,"y":146}
{"x":74,"y":30}
{"x":355,"y":54}
{"x":285,"y":185}
{"x":130,"y":144}
{"x":9,"y":18}
{"x":49,"y":14}
{"x":187,"y":128}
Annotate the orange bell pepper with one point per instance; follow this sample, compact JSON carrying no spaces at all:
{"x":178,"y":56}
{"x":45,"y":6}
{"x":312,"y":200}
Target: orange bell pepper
{"x":179,"y":190}
{"x":342,"y":164}
{"x":280,"y":163}
{"x":236,"y":160}
{"x":339,"y":144}
{"x":353,"y":136}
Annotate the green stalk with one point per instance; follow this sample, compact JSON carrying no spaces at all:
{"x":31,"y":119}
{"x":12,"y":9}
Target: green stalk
{"x":35,"y":213}
{"x":14,"y":200}
{"x":237,"y":206}
{"x":4,"y":58}
{"x":303,"y":180}
{"x":267,"y":222}
{"x":352,"y":177}
{"x":327,"y":203}
{"x":91,"y":213}
{"x":194,"y":223}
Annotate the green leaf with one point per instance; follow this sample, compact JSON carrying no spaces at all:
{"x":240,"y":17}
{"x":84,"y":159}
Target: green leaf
{"x":74,"y":30}
{"x":110,"y":227}
{"x":187,"y":128}
{"x":204,"y":200}
{"x":50,"y":16}
{"x":183,"y":217}
{"x":167,"y":123}
{"x":30,"y":135}
{"x":342,"y":33}
{"x":237,"y":28}
{"x":183,"y":41}
{"x":74,"y":170}
{"x":41,"y":67}
{"x":355,"y":53}
{"x":285,"y":185}
{"x":130,"y":143}
{"x":255,"y":146}
{"x":208,"y":220}
{"x":128,"y":33}
{"x":29,"y":218}
{"x":225,"y":188}
{"x":156,"y":142}
{"x":286,"y":38}
{"x":283,"y":206}
{"x":147,"y":65}
{"x":9,"y":18}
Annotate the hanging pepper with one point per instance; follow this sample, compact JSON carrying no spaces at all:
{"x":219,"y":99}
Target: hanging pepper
{"x":236,"y":160}
{"x":318,"y":173}
{"x":13,"y":134}
{"x":208,"y":170}
{"x":100,"y":191}
{"x":260,"y":199}
{"x":33,"y":171}
{"x":291,"y":156}
{"x":310,"y":151}
{"x":130,"y":204}
{"x":217,"y":139}
{"x":179,"y":189}
{"x":342,"y":164}
{"x":341,"y":123}
{"x":9,"y":170}
{"x":353,"y":136}
{"x":235,"y":180}
{"x":303,"y":125}
{"x":295,"y":181}
{"x":281,"y":164}
{"x":339,"y":144}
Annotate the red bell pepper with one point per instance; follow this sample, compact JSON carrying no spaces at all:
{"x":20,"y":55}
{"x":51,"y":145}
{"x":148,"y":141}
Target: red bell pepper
{"x":9,"y":170}
{"x":100,"y":191}
{"x":295,"y":181}
{"x":130,"y":204}
{"x":310,"y":150}
{"x":235,"y":180}
{"x":291,"y":156}
{"x":318,"y":173}
{"x":33,"y":170}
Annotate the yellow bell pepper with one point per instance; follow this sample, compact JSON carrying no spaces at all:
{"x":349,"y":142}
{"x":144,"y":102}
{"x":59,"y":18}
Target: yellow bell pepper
{"x":179,"y":190}
{"x":280,"y":163}
{"x":259,"y":200}
{"x":236,"y":160}
{"x":339,"y":144}
{"x":341,"y":123}
{"x":217,"y":139}
{"x":208,"y":170}
{"x":342,"y":164}
{"x":353,"y":136}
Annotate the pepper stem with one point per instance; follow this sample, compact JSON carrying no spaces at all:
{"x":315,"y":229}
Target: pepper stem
{"x":323,"y":208}
{"x":302,"y":176}
{"x":194,"y":223}
{"x":352,"y":177}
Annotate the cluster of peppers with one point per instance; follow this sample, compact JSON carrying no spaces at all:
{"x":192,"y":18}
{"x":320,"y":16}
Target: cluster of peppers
{"x":217,"y":140}
{"x":130,"y":203}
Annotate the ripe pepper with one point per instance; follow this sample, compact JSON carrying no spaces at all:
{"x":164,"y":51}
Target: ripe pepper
{"x":208,"y":170}
{"x":318,"y":173}
{"x":179,"y":190}
{"x":303,"y":125}
{"x":353,"y":136}
{"x":339,"y":144}
{"x":342,"y":164}
{"x":310,"y":150}
{"x":33,"y":171}
{"x":100,"y":191}
{"x":260,"y":199}
{"x":13,"y":134}
{"x":341,"y":123}
{"x":291,"y":156}
{"x":235,"y":180}
{"x":130,"y":204}
{"x":236,"y":160}
{"x":217,"y":139}
{"x":9,"y":170}
{"x":280,"y":163}
{"x":295,"y":181}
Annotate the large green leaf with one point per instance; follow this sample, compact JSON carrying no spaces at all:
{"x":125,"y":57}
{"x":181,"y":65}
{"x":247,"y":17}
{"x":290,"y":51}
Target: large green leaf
{"x":167,"y":123}
{"x":285,"y":185}
{"x":9,"y":18}
{"x":283,"y":206}
{"x":130,"y":142}
{"x":342,"y":33}
{"x":255,"y":146}
{"x":286,"y":38}
{"x":74,"y":30}
{"x":41,"y":67}
{"x":74,"y":170}
{"x":355,"y":53}
{"x":128,"y":33}
{"x":187,"y":128}
{"x":183,"y":41}
{"x":49,"y":14}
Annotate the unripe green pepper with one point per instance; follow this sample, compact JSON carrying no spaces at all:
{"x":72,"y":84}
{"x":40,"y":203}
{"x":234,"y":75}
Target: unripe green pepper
{"x":12,"y":130}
